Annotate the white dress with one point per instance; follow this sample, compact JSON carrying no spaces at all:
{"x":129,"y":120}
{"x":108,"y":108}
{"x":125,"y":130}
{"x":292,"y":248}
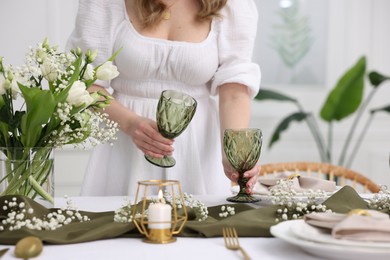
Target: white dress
{"x":148,"y":66}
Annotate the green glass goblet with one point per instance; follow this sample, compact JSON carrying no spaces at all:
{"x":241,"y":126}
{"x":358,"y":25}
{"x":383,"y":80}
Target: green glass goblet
{"x":175,"y":111}
{"x":242,"y":148}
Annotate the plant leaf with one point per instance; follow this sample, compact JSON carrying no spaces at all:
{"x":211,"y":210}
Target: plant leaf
{"x":4,"y":111}
{"x":37,"y":115}
{"x":14,"y":123}
{"x":346,"y":96}
{"x":61,"y":97}
{"x":266,"y":94}
{"x":115,"y":54}
{"x":376,"y":78}
{"x":111,"y":58}
{"x":381,"y":109}
{"x":284,"y":124}
{"x":4,"y":134}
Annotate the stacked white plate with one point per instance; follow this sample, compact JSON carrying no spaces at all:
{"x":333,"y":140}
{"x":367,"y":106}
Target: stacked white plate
{"x":320,"y":243}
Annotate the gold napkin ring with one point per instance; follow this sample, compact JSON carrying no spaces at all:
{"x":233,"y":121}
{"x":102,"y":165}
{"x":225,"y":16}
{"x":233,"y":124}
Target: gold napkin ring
{"x":361,"y":212}
{"x":294,"y":175}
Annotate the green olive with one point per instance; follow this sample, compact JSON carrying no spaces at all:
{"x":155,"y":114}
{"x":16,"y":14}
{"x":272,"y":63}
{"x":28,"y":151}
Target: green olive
{"x":28,"y":247}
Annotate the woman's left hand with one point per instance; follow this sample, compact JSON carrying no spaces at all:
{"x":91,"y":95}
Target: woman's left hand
{"x":251,"y":175}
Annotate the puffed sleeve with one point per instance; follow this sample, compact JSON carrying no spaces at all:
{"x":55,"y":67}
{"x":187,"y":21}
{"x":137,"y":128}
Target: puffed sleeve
{"x":236,"y":37}
{"x":96,"y":25}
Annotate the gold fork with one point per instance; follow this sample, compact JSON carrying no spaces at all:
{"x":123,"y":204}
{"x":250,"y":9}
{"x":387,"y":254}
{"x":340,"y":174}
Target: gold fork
{"x":231,"y":241}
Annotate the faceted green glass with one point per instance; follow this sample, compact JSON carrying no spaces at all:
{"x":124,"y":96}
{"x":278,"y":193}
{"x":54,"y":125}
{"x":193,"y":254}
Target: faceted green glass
{"x":175,"y":111}
{"x":242,"y":148}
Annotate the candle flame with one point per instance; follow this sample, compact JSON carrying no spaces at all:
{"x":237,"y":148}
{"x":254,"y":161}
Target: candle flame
{"x":160,"y":195}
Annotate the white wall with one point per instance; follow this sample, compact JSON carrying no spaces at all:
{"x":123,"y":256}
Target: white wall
{"x":356,"y":27}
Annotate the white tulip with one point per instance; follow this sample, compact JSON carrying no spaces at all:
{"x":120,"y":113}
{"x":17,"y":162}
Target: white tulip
{"x":49,"y":71}
{"x":107,"y":71}
{"x":78,"y":95}
{"x":89,"y":72}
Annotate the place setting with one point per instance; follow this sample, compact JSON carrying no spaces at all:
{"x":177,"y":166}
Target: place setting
{"x":321,"y":242}
{"x":360,"y":230}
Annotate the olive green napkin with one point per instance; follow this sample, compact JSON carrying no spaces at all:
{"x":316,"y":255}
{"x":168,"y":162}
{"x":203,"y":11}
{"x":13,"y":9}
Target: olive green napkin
{"x":249,"y":221}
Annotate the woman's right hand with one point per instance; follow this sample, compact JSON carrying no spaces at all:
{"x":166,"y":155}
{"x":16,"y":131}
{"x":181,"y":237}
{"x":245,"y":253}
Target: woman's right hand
{"x":143,"y":131}
{"x":145,"y":135}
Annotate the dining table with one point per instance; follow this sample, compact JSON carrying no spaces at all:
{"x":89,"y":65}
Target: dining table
{"x":183,"y":248}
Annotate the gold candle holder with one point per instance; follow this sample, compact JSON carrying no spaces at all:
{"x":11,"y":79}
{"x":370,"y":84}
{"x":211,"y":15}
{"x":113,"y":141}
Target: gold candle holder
{"x":159,"y":220}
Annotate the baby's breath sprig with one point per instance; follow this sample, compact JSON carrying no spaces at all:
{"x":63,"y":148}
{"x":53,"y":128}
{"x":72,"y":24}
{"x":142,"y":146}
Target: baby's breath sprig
{"x":292,"y":206}
{"x":381,"y":200}
{"x":226,"y":211}
{"x":124,"y":213}
{"x":21,"y":216}
{"x":200,"y":208}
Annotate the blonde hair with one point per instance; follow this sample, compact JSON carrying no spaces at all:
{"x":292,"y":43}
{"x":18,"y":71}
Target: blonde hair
{"x":150,"y":12}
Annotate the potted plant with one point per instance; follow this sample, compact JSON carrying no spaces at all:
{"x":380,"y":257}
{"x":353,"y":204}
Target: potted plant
{"x":344,"y":100}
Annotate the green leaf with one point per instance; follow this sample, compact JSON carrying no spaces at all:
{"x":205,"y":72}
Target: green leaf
{"x":2,"y":101}
{"x":37,"y":114}
{"x":284,"y":124}
{"x":347,"y":95}
{"x":115,"y":54}
{"x":29,"y":93}
{"x":110,"y":59}
{"x":266,"y":94}
{"x":381,"y":109}
{"x":4,"y":113}
{"x":15,"y":122}
{"x":52,"y":125}
{"x":376,"y":78}
{"x":4,"y":134}
{"x":61,"y":97}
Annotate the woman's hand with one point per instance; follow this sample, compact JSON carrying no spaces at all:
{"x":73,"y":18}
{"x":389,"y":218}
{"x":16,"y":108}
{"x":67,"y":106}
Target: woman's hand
{"x":251,"y":175}
{"x":145,"y":135}
{"x":143,"y":131}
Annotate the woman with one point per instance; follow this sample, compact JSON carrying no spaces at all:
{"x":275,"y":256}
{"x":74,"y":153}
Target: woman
{"x":202,"y":48}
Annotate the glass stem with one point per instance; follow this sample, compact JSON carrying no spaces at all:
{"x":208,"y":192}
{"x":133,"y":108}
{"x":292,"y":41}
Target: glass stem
{"x":242,"y":183}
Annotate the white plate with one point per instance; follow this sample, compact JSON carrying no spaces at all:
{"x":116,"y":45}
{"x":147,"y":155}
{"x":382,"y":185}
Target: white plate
{"x":325,"y":250}
{"x":310,"y":233}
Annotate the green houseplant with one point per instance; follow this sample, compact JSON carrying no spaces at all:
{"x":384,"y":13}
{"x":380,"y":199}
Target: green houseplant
{"x":344,"y":100}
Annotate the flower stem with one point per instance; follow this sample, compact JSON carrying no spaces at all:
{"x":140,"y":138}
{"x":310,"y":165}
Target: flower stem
{"x":313,"y":127}
{"x":359,"y":141}
{"x":38,"y":188}
{"x":330,"y":140}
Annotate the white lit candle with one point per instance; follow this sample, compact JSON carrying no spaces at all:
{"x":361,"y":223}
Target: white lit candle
{"x":159,"y":214}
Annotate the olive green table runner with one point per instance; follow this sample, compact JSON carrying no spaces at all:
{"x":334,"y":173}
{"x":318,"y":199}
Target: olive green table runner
{"x":249,"y":221}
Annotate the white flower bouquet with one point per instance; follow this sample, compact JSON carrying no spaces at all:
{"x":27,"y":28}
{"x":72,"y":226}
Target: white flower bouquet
{"x":45,"y":104}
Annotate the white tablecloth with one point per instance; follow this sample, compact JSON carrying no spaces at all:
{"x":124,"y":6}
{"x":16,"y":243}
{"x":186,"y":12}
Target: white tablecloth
{"x":183,"y":248}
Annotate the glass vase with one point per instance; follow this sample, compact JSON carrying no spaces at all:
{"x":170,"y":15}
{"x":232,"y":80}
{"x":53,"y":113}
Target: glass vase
{"x":28,"y":172}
